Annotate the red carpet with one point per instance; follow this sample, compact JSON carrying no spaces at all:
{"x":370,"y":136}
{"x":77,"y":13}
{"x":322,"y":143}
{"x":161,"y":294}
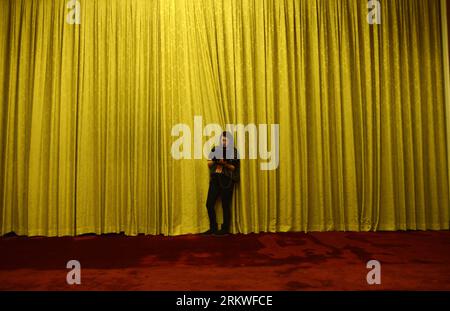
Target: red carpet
{"x":283,"y":261}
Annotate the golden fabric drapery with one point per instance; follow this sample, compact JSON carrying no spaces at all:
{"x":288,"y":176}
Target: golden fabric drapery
{"x":87,"y":111}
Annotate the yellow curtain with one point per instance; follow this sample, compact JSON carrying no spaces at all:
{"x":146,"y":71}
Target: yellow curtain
{"x":87,"y":112}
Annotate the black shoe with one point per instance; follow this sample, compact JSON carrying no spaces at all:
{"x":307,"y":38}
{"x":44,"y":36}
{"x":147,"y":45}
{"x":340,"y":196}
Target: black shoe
{"x":209,"y":232}
{"x":221,"y":232}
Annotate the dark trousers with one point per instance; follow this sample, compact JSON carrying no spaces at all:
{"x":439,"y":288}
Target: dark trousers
{"x":220,"y":185}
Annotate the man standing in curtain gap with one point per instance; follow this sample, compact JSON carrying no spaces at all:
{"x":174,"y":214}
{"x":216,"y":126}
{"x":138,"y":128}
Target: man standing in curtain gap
{"x":223,"y":163}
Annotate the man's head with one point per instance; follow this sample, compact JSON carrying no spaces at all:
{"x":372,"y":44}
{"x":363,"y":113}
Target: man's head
{"x":227,"y":144}
{"x":224,"y":139}
{"x":227,"y":140}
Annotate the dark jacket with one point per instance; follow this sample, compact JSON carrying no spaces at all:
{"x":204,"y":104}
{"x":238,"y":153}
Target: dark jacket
{"x":218,"y":153}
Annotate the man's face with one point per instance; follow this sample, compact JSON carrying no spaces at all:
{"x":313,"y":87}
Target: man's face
{"x":224,"y":141}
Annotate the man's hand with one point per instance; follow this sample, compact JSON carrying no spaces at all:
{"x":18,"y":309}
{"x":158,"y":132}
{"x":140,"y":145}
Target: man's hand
{"x":227,"y":165}
{"x":219,"y":168}
{"x":220,"y":164}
